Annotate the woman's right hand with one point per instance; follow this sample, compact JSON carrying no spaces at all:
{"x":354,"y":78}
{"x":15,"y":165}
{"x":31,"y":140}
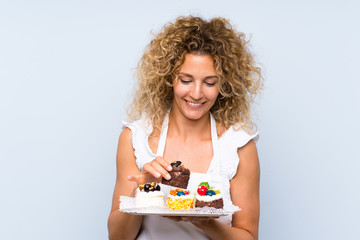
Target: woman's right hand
{"x":153,"y":172}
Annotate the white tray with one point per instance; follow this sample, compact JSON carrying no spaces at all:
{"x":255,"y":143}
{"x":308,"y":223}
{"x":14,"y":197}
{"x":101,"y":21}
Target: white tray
{"x":127,"y":205}
{"x":198,"y":212}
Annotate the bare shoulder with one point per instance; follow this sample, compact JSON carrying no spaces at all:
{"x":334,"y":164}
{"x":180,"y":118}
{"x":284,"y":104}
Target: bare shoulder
{"x":248,"y":161}
{"x":125,"y":141}
{"x":248,"y":149}
{"x":125,"y":135}
{"x":126,"y":154}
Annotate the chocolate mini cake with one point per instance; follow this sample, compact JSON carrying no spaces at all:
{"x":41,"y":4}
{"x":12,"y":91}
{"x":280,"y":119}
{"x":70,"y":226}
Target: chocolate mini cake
{"x":179,"y":176}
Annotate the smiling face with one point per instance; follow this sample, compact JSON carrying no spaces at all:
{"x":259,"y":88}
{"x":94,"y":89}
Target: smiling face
{"x":197,"y":87}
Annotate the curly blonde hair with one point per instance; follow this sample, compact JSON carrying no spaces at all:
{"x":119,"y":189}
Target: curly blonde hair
{"x":240,"y":79}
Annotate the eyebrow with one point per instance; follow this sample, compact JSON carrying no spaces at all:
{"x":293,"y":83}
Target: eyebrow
{"x":191,"y":76}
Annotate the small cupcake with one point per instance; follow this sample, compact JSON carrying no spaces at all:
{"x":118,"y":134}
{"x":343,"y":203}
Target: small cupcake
{"x":180,"y":199}
{"x":149,"y":195}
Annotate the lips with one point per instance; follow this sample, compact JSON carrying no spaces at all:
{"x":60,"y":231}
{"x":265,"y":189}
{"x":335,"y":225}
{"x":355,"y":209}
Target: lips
{"x":194,"y":104}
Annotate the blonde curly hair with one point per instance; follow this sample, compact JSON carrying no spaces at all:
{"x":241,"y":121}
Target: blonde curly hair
{"x":240,"y":79}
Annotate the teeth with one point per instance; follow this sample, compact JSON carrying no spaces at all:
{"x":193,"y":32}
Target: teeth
{"x":194,"y":104}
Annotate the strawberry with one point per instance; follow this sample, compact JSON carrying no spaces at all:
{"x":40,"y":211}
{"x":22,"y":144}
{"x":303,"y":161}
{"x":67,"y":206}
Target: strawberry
{"x":202,"y":190}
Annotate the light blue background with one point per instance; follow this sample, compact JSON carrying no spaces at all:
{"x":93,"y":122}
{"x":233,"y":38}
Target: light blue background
{"x":66,"y":71}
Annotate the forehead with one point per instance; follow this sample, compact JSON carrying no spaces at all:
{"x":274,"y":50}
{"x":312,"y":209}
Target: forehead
{"x":198,"y":64}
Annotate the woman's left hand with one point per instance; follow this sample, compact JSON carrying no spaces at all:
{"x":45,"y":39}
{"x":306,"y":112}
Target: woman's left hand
{"x":197,"y":221}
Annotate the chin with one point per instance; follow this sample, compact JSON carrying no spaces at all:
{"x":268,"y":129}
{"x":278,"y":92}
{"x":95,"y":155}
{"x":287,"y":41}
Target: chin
{"x":194,"y":115}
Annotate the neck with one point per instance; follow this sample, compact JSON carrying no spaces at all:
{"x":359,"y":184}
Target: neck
{"x":186,"y":129}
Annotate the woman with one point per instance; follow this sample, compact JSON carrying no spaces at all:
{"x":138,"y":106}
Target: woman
{"x":197,"y":80}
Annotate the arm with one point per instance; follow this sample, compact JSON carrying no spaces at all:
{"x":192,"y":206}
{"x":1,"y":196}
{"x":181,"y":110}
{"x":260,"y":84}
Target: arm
{"x":244,"y":188}
{"x":123,"y":225}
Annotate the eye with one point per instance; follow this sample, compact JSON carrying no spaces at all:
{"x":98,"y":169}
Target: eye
{"x":210,"y":83}
{"x":185,"y":81}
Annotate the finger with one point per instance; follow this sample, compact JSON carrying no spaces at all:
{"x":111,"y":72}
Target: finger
{"x":176,"y":219}
{"x":160,"y":169}
{"x":139,"y":179}
{"x":185,"y":219}
{"x":163,"y":163}
{"x":148,"y":168}
{"x":132,"y":178}
{"x":200,"y":220}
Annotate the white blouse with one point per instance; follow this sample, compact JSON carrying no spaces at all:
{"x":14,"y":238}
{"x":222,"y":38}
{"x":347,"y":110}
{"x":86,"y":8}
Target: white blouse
{"x":222,"y":169}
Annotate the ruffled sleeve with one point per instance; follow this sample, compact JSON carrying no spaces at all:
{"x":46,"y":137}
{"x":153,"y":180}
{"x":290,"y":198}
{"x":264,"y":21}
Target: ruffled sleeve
{"x":140,"y":130}
{"x":229,"y":144}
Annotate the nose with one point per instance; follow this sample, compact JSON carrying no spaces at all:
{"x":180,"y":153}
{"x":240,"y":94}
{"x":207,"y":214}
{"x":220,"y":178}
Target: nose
{"x":196,"y":91}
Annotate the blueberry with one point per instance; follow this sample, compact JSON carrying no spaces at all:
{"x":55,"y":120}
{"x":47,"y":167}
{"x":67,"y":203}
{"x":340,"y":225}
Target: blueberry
{"x":180,"y":193}
{"x":175,"y":164}
{"x":157,"y":187}
{"x":147,"y":187}
{"x":210,"y":193}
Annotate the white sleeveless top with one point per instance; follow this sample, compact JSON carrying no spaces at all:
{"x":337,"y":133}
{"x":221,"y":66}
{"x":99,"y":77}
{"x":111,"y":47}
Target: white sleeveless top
{"x":222,"y":169}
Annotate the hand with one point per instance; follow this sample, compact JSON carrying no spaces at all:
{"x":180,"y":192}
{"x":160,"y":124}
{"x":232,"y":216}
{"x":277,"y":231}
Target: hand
{"x":153,"y":172}
{"x":197,"y":221}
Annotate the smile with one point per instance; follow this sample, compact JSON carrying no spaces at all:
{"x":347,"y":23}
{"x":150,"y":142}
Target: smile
{"x":193,"y":104}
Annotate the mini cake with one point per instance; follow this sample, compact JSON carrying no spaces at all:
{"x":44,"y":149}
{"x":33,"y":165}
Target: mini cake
{"x":149,"y":195}
{"x":180,"y":199}
{"x":179,"y":176}
{"x":208,"y":197}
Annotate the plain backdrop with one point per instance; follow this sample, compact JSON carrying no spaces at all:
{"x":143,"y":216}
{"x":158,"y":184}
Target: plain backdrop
{"x":67,"y":74}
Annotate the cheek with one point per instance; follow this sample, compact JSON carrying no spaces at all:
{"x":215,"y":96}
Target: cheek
{"x":213,"y":94}
{"x":179,"y":91}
